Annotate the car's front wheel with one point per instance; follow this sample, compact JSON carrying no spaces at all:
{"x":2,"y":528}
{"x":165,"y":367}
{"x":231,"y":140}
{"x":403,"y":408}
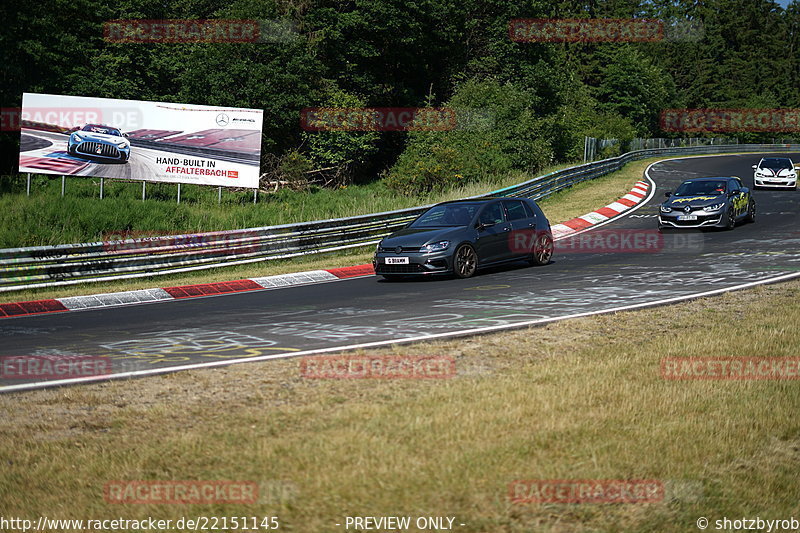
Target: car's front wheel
{"x":465,"y":261}
{"x":542,"y":250}
{"x":730,"y":219}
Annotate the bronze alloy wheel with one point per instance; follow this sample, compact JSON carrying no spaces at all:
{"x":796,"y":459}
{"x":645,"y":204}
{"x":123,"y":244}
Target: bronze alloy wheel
{"x":542,"y":250}
{"x":465,"y":261}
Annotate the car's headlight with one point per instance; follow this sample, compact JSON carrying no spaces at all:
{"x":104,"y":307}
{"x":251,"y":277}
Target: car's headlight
{"x":77,"y":137}
{"x":435,"y":246}
{"x":666,"y":209}
{"x":715,"y":207}
{"x":122,"y":145}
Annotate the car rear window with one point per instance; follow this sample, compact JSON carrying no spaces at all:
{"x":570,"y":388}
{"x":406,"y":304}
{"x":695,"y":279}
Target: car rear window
{"x":516,"y":210}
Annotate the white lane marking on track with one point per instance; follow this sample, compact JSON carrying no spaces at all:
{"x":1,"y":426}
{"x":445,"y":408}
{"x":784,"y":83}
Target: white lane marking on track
{"x":142,"y":373}
{"x":376,"y":344}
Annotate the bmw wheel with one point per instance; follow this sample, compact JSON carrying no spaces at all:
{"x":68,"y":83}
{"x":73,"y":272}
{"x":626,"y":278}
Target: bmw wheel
{"x":542,"y":250}
{"x":465,"y":261}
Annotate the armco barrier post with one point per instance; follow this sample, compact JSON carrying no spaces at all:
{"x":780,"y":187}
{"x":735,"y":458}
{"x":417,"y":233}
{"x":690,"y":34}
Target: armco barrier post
{"x":63,"y":185}
{"x":179,"y":193}
{"x":102,"y":184}
{"x":144,"y":185}
{"x":29,"y":184}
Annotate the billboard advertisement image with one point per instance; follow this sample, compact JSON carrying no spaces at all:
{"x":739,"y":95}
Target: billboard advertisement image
{"x":139,"y":140}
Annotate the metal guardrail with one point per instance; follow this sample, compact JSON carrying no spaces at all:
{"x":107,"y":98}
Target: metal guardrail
{"x":42,"y":266}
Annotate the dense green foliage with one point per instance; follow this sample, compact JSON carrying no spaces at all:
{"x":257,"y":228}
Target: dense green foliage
{"x":541,"y":98}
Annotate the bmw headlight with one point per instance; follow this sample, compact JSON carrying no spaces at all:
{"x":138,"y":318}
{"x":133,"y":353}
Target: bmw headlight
{"x":435,"y":246}
{"x":715,"y":207}
{"x":666,"y":209}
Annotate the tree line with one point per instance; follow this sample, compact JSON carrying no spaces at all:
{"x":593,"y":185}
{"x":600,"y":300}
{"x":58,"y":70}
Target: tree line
{"x":542,"y":98}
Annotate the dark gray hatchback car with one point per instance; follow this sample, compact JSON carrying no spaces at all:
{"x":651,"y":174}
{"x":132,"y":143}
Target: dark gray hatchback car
{"x":462,"y":236}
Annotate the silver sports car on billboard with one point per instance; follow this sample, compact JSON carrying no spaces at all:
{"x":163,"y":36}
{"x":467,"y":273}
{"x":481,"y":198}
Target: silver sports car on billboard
{"x":101,"y":142}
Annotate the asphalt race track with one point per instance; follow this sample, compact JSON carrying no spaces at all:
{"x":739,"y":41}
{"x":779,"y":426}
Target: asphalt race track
{"x":282,"y":322}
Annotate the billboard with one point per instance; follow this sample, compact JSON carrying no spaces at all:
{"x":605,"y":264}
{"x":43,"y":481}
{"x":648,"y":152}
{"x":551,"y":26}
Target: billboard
{"x":132,"y":139}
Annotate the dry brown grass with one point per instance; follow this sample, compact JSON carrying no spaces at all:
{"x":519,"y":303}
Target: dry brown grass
{"x":572,"y":400}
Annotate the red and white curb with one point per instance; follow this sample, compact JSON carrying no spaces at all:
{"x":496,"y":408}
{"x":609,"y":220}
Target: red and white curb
{"x":117,"y":299}
{"x":604,"y":214}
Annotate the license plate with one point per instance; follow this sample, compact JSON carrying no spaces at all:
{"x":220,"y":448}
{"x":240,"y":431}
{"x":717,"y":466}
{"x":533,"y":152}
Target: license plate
{"x":397,"y":260}
{"x":687,"y":217}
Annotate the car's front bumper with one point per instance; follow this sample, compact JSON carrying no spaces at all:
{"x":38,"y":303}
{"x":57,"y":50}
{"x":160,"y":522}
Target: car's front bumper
{"x":101,"y":150}
{"x":703,"y":219}
{"x":775,"y":182}
{"x":419,"y":263}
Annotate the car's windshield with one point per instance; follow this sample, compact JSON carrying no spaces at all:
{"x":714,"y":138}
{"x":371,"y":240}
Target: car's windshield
{"x":446,"y":215}
{"x":101,"y":129}
{"x":776,"y":163}
{"x":708,"y":187}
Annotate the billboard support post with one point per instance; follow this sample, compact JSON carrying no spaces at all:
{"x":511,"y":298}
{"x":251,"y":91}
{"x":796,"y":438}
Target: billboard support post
{"x":63,"y":185}
{"x":28,"y":188}
{"x":102,"y":184}
{"x":255,"y":195}
{"x":219,"y":195}
{"x":179,"y":193}
{"x":144,"y":190}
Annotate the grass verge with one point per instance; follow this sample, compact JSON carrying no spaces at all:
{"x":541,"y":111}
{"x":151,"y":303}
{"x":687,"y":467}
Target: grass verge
{"x":579,"y":399}
{"x":559,"y":207}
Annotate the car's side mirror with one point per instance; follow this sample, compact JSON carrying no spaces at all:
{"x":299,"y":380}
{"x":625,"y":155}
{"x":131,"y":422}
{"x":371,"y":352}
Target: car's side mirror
{"x":744,"y":190}
{"x":668,"y":194}
{"x":732,"y":194}
{"x":797,"y":167}
{"x":755,"y":167}
{"x":124,"y":134}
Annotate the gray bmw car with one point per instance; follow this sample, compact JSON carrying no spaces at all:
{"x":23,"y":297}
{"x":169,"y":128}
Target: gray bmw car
{"x":462,"y":236}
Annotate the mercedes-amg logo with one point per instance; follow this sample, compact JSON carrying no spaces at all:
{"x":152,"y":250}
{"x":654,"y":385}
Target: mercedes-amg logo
{"x":223,"y":119}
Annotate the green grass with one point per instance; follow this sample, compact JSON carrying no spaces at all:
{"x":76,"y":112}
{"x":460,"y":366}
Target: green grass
{"x":580,"y":399}
{"x":45,"y":218}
